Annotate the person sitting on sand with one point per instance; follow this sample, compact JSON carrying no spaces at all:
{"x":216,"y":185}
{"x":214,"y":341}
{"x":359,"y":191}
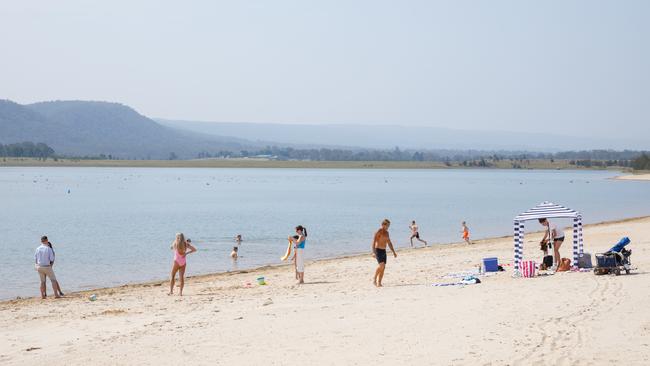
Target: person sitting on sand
{"x":379,"y":242}
{"x":554,"y":235}
{"x":465,"y":231}
{"x":43,"y":261}
{"x":299,"y":253}
{"x":180,"y":246}
{"x":233,"y":254}
{"x":415,"y":233}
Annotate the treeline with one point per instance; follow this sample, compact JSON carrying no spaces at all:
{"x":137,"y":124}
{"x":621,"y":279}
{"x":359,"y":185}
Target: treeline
{"x":642,"y":162}
{"x":396,"y":154}
{"x":26,"y":149}
{"x":598,"y":155}
{"x":588,"y":163}
{"x":638,"y":160}
{"x":592,"y":158}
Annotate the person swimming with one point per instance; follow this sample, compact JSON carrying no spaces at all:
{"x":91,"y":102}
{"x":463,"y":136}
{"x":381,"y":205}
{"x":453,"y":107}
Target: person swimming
{"x":181,"y":248}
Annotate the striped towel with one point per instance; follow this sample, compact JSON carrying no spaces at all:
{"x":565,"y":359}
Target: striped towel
{"x":448,"y":284}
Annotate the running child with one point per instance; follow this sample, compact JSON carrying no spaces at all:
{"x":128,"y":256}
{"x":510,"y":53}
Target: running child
{"x":415,"y":233}
{"x":465,"y":231}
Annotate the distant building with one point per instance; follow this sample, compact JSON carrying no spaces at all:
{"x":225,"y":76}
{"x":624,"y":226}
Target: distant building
{"x":264,"y":156}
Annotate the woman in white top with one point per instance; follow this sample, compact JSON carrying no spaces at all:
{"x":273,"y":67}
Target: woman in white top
{"x":555,"y":235}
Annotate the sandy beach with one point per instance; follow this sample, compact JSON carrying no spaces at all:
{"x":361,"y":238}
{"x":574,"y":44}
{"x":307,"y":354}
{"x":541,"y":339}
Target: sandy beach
{"x":339,"y":317}
{"x":645,"y":177}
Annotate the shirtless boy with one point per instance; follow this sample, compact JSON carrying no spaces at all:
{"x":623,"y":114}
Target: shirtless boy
{"x":382,"y":238}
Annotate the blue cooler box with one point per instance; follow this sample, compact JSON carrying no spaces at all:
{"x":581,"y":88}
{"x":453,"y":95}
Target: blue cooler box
{"x":490,"y":264}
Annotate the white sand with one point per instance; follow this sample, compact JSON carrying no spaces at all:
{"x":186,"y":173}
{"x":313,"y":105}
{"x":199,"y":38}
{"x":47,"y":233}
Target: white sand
{"x":340,"y":318}
{"x":634,"y":177}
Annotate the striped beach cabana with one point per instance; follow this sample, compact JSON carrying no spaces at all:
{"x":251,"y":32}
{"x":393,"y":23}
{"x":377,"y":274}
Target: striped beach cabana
{"x":547,"y":210}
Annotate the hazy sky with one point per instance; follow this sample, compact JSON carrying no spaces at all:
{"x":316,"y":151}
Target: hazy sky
{"x":562,"y":66}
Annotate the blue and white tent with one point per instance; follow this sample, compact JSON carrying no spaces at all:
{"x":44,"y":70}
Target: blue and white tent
{"x":547,"y":210}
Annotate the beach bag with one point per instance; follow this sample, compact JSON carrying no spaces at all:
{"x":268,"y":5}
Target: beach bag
{"x":565,"y":265}
{"x":584,"y":260}
{"x":548,"y":261}
{"x":528,"y":269}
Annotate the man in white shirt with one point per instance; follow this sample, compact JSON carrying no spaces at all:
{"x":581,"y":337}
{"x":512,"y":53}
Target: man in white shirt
{"x":43,"y":259}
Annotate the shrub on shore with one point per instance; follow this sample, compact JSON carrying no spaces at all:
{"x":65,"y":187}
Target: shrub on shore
{"x":642,"y":162}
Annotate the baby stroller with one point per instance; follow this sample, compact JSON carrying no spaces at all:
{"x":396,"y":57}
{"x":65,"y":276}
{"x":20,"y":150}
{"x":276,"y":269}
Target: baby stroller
{"x":615,"y":260}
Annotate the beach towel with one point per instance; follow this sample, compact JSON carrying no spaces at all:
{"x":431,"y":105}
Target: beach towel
{"x":468,"y":280}
{"x":448,"y":284}
{"x":463,"y":274}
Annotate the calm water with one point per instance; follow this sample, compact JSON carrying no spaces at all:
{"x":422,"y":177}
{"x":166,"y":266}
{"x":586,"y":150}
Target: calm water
{"x":112,"y":226}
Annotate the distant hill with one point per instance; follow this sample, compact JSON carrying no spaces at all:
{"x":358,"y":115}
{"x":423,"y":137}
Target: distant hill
{"x":85,"y":128}
{"x":80,"y":128}
{"x":405,"y":137}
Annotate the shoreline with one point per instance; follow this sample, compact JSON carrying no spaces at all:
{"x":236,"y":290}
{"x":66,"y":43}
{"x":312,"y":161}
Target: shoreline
{"x":637,"y":177}
{"x":276,"y":267}
{"x":284,"y":164}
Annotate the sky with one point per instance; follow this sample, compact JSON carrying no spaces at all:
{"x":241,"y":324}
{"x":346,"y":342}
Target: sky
{"x":561,"y":66}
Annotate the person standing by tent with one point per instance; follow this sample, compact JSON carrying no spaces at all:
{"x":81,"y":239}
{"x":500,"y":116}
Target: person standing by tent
{"x":379,"y":242}
{"x":554,"y":235}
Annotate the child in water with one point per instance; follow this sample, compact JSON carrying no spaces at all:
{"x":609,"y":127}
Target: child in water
{"x":465,"y":231}
{"x":233,"y":254}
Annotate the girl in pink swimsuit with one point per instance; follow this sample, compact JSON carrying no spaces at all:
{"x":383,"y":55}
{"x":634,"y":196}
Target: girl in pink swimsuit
{"x":181,"y":248}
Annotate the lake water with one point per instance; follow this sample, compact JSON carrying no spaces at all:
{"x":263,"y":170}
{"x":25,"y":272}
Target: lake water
{"x":112,"y":226}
